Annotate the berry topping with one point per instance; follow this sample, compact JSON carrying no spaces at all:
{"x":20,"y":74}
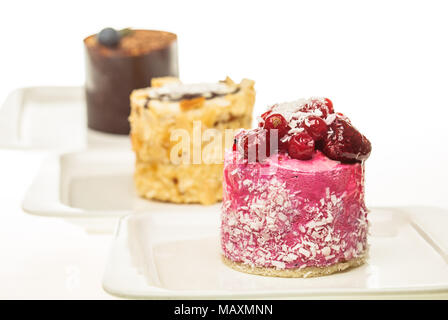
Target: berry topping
{"x":109,"y":37}
{"x":329,"y":105}
{"x":282,"y":145}
{"x":315,"y":127}
{"x":304,"y":126}
{"x":265,"y":115}
{"x":276,"y":121}
{"x":301,"y":146}
{"x":343,"y":117}
{"x":345,"y":143}
{"x":325,"y":107}
{"x":254,"y":144}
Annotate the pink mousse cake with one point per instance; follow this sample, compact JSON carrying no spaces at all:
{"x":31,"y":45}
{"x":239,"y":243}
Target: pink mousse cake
{"x":298,"y":209}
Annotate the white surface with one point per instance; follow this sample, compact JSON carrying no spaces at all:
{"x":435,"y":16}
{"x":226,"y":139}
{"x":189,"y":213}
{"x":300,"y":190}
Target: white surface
{"x":43,"y":258}
{"x":174,"y":255}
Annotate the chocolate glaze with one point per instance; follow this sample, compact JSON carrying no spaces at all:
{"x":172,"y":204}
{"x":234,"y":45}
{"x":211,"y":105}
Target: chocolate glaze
{"x":111,"y":77}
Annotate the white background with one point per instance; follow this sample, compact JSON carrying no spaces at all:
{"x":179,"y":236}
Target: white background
{"x":383,"y":63}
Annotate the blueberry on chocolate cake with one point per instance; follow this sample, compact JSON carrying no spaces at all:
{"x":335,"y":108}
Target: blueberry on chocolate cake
{"x":118,"y":62}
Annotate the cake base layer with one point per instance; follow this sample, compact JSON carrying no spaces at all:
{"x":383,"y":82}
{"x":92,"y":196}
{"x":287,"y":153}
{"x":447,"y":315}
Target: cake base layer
{"x":200,"y":183}
{"x":307,"y":272}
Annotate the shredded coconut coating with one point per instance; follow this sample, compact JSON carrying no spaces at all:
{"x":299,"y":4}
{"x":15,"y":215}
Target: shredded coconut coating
{"x":305,"y":214}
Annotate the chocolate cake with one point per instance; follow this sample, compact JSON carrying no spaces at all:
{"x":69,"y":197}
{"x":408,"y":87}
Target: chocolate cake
{"x":119,"y":62}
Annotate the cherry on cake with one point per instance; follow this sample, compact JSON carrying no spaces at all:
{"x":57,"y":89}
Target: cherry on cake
{"x":293,"y":203}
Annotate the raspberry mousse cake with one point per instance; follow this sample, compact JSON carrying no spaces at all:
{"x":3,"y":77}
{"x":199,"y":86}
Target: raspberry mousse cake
{"x":293,"y":203}
{"x":170,"y":106}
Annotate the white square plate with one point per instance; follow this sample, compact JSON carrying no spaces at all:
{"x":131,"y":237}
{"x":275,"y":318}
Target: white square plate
{"x":92,"y":188}
{"x":51,"y":118}
{"x":173,"y":255}
{"x":94,"y":183}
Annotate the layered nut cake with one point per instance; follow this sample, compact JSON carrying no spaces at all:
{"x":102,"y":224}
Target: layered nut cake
{"x":170,"y":110}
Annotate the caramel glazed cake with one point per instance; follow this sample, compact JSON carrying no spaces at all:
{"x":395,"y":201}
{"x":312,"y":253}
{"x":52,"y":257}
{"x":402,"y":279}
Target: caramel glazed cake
{"x":168,"y":105}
